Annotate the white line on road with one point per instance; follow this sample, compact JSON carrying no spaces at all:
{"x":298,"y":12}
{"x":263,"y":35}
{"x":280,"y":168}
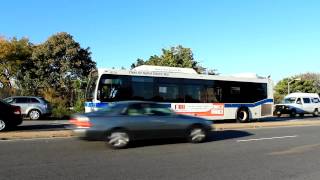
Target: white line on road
{"x":260,"y":139}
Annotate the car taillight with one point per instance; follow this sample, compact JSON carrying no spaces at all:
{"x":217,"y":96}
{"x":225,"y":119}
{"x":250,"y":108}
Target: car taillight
{"x":81,"y":122}
{"x":17,"y":110}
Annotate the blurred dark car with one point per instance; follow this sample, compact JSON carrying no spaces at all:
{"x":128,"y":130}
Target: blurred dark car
{"x":10,"y":116}
{"x":124,"y":122}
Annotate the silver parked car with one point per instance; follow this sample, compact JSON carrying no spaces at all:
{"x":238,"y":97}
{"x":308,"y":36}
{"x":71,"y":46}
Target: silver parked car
{"x":31,"y":106}
{"x":124,"y":122}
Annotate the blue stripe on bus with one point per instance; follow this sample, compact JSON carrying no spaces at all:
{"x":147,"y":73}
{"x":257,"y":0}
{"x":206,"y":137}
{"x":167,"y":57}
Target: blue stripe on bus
{"x":98,"y":105}
{"x":105,"y":104}
{"x":236,"y":105}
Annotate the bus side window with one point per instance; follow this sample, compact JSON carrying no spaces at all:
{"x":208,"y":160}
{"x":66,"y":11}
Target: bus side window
{"x":192,"y":93}
{"x":211,"y":95}
{"x":219,"y":94}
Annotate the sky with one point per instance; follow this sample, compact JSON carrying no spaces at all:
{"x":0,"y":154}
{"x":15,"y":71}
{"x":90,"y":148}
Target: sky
{"x":280,"y":38}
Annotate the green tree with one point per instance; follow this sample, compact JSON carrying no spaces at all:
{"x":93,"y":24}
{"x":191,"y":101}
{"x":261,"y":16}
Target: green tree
{"x":309,"y":83}
{"x":178,"y":56}
{"x":54,"y":66}
{"x":13,"y":52}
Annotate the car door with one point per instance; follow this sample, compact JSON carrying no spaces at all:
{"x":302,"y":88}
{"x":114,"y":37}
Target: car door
{"x":307,"y":105}
{"x":168,"y":123}
{"x":139,"y":123}
{"x":23,"y":102}
{"x":35,"y":104}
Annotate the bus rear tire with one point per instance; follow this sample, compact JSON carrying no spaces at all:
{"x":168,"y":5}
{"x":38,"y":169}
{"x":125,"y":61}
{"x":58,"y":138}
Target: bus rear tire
{"x":243,"y":115}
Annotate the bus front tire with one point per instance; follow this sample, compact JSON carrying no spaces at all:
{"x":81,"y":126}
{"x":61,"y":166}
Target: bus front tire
{"x":243,"y":115}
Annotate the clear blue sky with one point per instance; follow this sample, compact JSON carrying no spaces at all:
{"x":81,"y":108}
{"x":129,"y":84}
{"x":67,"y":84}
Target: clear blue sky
{"x":269,"y":37}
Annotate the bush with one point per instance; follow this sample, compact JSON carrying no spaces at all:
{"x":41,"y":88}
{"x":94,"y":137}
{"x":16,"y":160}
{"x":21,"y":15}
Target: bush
{"x":79,"y":106}
{"x":61,"y":112}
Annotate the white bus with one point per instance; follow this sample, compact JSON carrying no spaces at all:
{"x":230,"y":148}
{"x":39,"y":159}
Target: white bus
{"x":185,"y":91}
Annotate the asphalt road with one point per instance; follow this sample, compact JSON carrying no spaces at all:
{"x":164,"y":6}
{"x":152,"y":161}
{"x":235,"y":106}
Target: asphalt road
{"x":271,"y":153}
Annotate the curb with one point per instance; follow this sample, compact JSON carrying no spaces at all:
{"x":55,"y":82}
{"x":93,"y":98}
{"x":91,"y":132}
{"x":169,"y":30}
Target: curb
{"x":35,"y":134}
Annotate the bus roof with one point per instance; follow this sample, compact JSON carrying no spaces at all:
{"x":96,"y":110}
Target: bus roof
{"x":165,"y":69}
{"x":186,"y":73}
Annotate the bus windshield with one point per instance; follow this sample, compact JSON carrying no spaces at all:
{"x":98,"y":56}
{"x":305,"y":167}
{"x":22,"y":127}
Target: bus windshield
{"x":109,"y":88}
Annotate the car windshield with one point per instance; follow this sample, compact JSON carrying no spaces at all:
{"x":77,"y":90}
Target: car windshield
{"x":8,"y":100}
{"x":290,"y":100}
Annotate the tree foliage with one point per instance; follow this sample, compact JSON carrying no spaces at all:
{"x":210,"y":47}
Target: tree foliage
{"x":55,"y":69}
{"x":55,"y":64}
{"x":178,"y":56}
{"x":309,"y":83}
{"x":13,"y":53}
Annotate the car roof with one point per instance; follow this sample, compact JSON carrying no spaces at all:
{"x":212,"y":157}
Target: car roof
{"x":312,"y":95}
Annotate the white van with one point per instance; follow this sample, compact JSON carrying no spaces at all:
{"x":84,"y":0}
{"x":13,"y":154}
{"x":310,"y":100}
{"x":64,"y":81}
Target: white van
{"x":299,"y":103}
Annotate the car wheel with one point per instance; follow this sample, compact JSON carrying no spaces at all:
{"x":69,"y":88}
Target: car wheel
{"x":278,"y":114}
{"x":118,"y":139}
{"x":242,"y":115}
{"x":3,"y":125}
{"x":293,"y":113}
{"x":197,"y":134}
{"x":34,"y":114}
{"x":316,"y":113}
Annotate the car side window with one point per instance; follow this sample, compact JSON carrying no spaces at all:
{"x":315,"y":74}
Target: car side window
{"x":158,"y":110}
{"x":306,"y":100}
{"x":135,"y":110}
{"x":299,"y":101}
{"x":34,"y":100}
{"x":315,"y":100}
{"x":22,"y":100}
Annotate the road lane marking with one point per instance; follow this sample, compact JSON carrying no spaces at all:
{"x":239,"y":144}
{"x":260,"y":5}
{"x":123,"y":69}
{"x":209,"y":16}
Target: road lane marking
{"x":270,"y":138}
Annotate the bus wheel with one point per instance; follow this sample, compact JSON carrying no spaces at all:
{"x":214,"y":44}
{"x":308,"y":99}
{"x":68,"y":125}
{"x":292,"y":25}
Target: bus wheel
{"x":243,"y":115}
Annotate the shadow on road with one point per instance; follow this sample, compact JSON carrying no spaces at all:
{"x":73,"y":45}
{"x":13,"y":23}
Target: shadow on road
{"x":213,"y":136}
{"x":227,"y":134}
